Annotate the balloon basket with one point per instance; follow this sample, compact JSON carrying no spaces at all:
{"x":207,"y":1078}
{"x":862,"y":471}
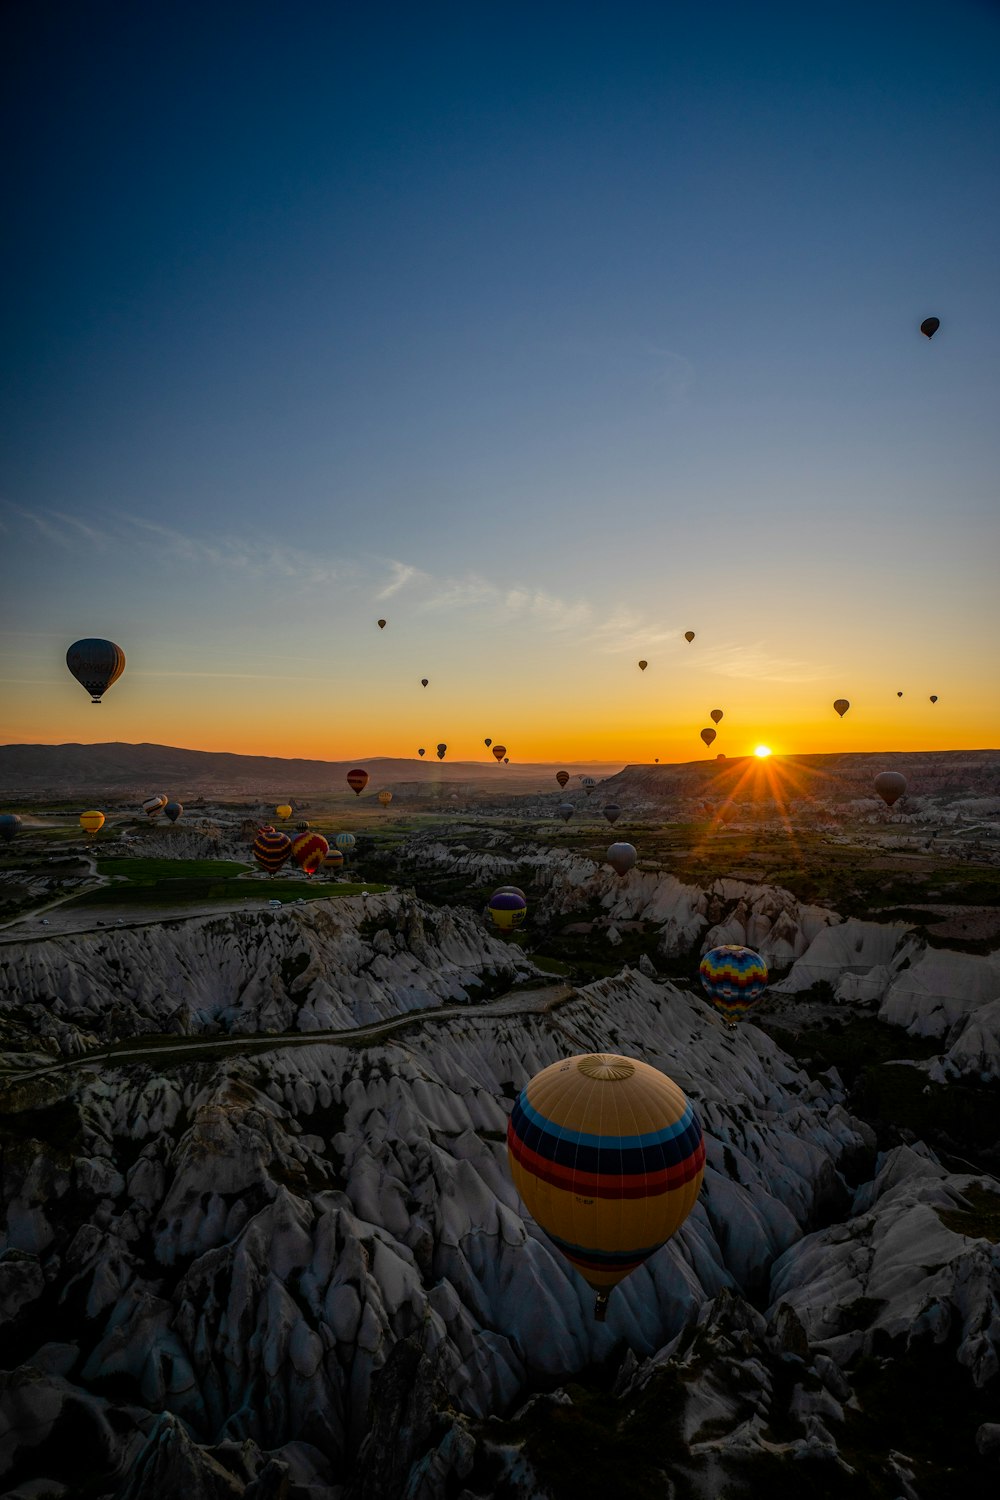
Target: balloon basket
{"x":601,"y":1307}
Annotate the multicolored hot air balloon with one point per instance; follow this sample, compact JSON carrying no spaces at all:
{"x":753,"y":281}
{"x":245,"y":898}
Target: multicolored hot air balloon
{"x":173,"y":811}
{"x":381,"y":624}
{"x":333,"y":860}
{"x":841,"y":705}
{"x":309,"y":850}
{"x":608,"y":1157}
{"x":95,"y":664}
{"x":708,"y":735}
{"x":271,"y":849}
{"x":385,"y":798}
{"x":284,"y":810}
{"x":442,"y":750}
{"x":588,"y":783}
{"x":890,"y":785}
{"x":562,"y":777}
{"x":345,"y":842}
{"x":302,"y":826}
{"x":357,"y":780}
{"x":733,"y":978}
{"x":643,"y":665}
{"x":499,"y":751}
{"x":612,"y":812}
{"x":621,"y":858}
{"x":716,"y":715}
{"x":507,"y":910}
{"x":929,"y":327}
{"x":565,"y":810}
{"x":153,"y":806}
{"x":92,"y":822}
{"x":689,"y":636}
{"x":10,"y":826}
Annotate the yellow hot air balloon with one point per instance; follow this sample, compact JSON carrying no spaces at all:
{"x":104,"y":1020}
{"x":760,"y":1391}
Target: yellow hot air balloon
{"x":92,"y":822}
{"x":385,"y":798}
{"x":283,"y":810}
{"x":608,"y":1156}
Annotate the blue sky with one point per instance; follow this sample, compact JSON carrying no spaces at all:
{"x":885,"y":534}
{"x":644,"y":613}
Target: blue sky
{"x":556,"y":328}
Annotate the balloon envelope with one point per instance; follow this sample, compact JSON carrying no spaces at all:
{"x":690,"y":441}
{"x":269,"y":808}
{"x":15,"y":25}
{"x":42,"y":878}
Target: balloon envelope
{"x":565,"y":811}
{"x":612,"y":812}
{"x":508,"y":909}
{"x":934,"y":697}
{"x":689,"y":636}
{"x":588,"y":783}
{"x":608,"y":1157}
{"x":95,"y":664}
{"x":708,"y":735}
{"x":421,"y":752}
{"x":271,"y":849}
{"x":890,"y":785}
{"x":385,"y":798}
{"x":441,"y":749}
{"x":92,"y":822}
{"x":284,"y":810}
{"x":643,"y":665}
{"x":841,"y":705}
{"x":10,"y":826}
{"x":309,"y":850}
{"x":381,"y":624}
{"x":154,"y":805}
{"x":621,"y":858}
{"x":487,"y":743}
{"x":345,"y":841}
{"x":357,"y":780}
{"x":562,"y":777}
{"x":424,"y":681}
{"x":333,"y":859}
{"x":929,"y":327}
{"x":173,"y":811}
{"x":499,"y":751}
{"x":733,"y":978}
{"x":716,"y":715}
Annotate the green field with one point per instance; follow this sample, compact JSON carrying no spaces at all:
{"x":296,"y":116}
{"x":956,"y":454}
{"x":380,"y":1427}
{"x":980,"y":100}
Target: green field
{"x":152,"y":871}
{"x":207,"y":891}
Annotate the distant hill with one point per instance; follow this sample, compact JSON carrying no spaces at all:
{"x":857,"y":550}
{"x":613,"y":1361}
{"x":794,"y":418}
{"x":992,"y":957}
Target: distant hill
{"x":120,"y":770}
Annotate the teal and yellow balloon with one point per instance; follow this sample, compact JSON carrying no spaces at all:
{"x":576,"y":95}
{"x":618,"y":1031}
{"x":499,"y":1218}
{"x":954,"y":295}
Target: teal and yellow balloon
{"x":608,"y":1157}
{"x":733,"y":978}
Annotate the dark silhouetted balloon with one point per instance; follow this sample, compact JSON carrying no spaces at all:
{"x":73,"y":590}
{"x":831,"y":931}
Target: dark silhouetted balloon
{"x":621,"y":858}
{"x":173,"y":811}
{"x":510,"y":890}
{"x":441,"y":751}
{"x":643,"y":665}
{"x":424,"y":681}
{"x":841,"y":705}
{"x":421,"y":752}
{"x":565,"y":811}
{"x":716,"y":715}
{"x":95,"y":664}
{"x":562,"y":777}
{"x":934,"y":697}
{"x":929,"y":327}
{"x":689,"y":636}
{"x":10,"y":826}
{"x":890,"y":785}
{"x":487,"y":743}
{"x":301,"y":827}
{"x":612,"y":812}
{"x":899,"y":695}
{"x":357,"y":780}
{"x":381,"y":624}
{"x":499,"y":751}
{"x":708,"y":735}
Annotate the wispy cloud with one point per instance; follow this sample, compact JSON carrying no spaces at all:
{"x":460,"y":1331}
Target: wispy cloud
{"x":401,"y":574}
{"x":753,"y":661}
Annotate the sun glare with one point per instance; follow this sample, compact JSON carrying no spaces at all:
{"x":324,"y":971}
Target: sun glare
{"x":762,"y":751}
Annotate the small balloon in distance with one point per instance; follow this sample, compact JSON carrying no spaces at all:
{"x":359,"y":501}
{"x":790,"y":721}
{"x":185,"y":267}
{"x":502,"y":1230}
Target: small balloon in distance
{"x":841,"y":705}
{"x":96,"y":664}
{"x":708,"y":735}
{"x":929,"y":327}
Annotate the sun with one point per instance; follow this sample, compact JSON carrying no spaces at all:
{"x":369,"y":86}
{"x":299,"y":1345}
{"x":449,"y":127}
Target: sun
{"x":762,"y":752}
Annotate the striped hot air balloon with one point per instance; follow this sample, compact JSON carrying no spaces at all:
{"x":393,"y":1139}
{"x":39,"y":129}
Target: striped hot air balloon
{"x":92,"y":822}
{"x":357,"y":780}
{"x":271,"y":849}
{"x":733,"y":978}
{"x":345,"y":842}
{"x":153,"y":806}
{"x":608,"y":1156}
{"x":499,"y":751}
{"x":309,"y":851}
{"x":333,"y":860}
{"x":562,"y":777}
{"x":508,"y":910}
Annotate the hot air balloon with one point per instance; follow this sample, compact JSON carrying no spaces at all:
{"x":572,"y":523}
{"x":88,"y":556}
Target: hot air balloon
{"x":271,"y":849}
{"x":929,"y":327}
{"x":92,"y":822}
{"x":499,"y":751}
{"x":708,"y":735}
{"x":381,"y":624}
{"x":612,"y":812}
{"x":385,"y":798}
{"x":506,"y":760}
{"x":507,"y":910}
{"x":621,"y":858}
{"x":309,"y":851}
{"x":841,"y":705}
{"x":302,"y":827}
{"x":345,"y":842}
{"x":357,"y":780}
{"x":95,"y":664}
{"x":173,"y":811}
{"x":890,"y":785}
{"x":283,"y":810}
{"x":899,"y":695}
{"x":487,"y":743}
{"x":588,"y":783}
{"x":10,"y":826}
{"x":733,"y":978}
{"x":510,"y":890}
{"x":421,"y":752}
{"x":934,"y":697}
{"x":716,"y":715}
{"x":441,"y":749}
{"x":562,"y":777}
{"x":565,"y":810}
{"x":333,"y":860}
{"x":689,"y":636}
{"x":643,"y":665}
{"x":153,"y":806}
{"x":608,"y":1157}
{"x":424,"y":681}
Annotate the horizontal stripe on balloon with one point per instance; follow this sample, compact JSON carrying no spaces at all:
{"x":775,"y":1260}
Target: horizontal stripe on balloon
{"x":523,"y":1108}
{"x":611,"y":1156}
{"x":605,"y":1260}
{"x":647,"y":1182}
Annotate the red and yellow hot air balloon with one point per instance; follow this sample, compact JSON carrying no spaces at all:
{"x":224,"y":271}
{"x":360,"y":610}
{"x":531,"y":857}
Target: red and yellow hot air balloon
{"x":357,"y":780}
{"x":309,"y":850}
{"x":271,"y":849}
{"x":608,"y":1157}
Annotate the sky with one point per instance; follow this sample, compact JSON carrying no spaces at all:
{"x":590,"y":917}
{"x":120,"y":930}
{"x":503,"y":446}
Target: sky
{"x":544,"y":332}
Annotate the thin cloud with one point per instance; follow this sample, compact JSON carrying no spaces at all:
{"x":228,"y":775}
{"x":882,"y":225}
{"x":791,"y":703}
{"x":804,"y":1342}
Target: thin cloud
{"x":402,"y":574}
